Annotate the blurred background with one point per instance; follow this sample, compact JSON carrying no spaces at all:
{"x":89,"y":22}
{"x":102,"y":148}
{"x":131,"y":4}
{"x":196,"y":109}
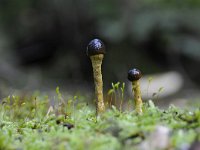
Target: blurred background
{"x":43,"y":44}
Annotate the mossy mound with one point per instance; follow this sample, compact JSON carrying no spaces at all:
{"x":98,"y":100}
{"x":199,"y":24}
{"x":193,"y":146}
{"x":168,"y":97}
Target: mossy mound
{"x":38,"y":123}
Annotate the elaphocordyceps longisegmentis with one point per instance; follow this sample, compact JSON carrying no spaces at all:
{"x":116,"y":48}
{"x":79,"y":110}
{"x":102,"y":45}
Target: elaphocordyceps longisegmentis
{"x":96,"y":51}
{"x":134,"y":75}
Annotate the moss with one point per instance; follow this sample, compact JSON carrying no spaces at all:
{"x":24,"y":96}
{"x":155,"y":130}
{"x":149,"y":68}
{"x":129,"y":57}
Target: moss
{"x":23,"y":128}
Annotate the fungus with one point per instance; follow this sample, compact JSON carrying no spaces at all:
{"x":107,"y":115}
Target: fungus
{"x":134,"y":75}
{"x":96,"y":51}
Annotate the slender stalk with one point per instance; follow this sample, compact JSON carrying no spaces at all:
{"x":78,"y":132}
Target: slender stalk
{"x":96,"y":64}
{"x":137,"y":96}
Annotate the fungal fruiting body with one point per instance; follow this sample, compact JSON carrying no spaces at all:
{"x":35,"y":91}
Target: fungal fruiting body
{"x":134,"y":75}
{"x":96,"y":51}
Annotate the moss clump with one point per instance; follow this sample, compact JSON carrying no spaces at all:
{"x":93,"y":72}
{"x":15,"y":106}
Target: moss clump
{"x":28,"y":123}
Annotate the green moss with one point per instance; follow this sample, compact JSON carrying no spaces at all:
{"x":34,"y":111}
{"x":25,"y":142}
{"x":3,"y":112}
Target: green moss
{"x":29,"y":123}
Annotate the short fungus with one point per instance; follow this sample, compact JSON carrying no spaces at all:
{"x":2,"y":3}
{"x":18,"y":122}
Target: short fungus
{"x":134,"y":75}
{"x":96,"y":51}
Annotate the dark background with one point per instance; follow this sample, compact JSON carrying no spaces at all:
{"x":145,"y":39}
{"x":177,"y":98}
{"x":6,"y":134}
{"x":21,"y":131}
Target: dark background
{"x":43,"y":42}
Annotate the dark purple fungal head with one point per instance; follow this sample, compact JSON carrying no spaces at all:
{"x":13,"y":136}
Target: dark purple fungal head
{"x":134,"y":74}
{"x":95,"y":47}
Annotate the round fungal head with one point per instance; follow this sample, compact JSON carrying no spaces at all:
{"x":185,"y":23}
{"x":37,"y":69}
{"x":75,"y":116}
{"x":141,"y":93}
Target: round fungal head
{"x":134,"y":74}
{"x":95,"y":47}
